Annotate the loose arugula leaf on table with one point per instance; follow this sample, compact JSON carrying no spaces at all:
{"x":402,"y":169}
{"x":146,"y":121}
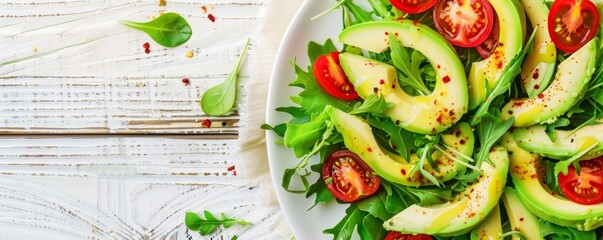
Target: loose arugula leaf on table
{"x":207,"y":224}
{"x":555,"y":232}
{"x":374,"y":105}
{"x":220,"y":99}
{"x":168,"y":30}
{"x":409,"y":66}
{"x":503,"y":83}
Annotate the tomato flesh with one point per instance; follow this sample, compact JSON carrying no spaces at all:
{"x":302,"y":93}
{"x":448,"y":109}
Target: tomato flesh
{"x":487,"y":47}
{"x":464,"y":23}
{"x":413,"y":6}
{"x":586,"y":188}
{"x":572,"y":23}
{"x":400,"y":236}
{"x":349,"y":178}
{"x":331,"y":77}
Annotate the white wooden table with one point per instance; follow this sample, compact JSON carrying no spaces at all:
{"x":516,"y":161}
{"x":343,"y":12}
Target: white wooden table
{"x":102,"y":141}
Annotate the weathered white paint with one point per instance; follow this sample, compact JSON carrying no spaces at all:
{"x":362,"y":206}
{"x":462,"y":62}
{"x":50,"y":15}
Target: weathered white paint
{"x":67,"y":67}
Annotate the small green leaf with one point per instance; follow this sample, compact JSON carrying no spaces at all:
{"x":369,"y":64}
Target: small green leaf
{"x":374,"y":206}
{"x":192,"y":221}
{"x":550,"y":129}
{"x":345,"y":228}
{"x":168,"y":30}
{"x":408,"y":65}
{"x":375,"y":105}
{"x":206,"y":226}
{"x":323,"y":195}
{"x":552,"y":231}
{"x":220,"y":99}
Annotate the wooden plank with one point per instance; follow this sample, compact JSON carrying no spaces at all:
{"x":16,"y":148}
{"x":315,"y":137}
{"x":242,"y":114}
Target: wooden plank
{"x":71,"y":68}
{"x":138,"y":187}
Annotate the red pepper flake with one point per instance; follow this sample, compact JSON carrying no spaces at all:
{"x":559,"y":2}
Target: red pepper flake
{"x":521,"y":219}
{"x":204,"y":8}
{"x":439,"y":66}
{"x":535,"y":74}
{"x":540,"y":95}
{"x":403,"y":171}
{"x":499,"y":65}
{"x":211,"y":17}
{"x":231,"y":168}
{"x":386,"y":33}
{"x":186,"y":81}
{"x":381,"y":81}
{"x":234,"y":172}
{"x":369,"y":149}
{"x":439,"y":119}
{"x":146,"y":45}
{"x":396,"y":34}
{"x":462,"y":141}
{"x":446,"y":79}
{"x":536,"y":86}
{"x":517,"y":104}
{"x":147,"y":51}
{"x":206,"y":123}
{"x":393,"y":85}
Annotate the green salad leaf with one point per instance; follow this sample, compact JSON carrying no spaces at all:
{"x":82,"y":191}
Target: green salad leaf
{"x":373,"y":104}
{"x":408,"y":65}
{"x":556,"y":232}
{"x":169,"y":30}
{"x":209,"y":222}
{"x":345,"y":228}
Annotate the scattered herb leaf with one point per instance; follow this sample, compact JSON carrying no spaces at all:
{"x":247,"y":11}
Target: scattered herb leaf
{"x":209,"y":223}
{"x":169,"y":30}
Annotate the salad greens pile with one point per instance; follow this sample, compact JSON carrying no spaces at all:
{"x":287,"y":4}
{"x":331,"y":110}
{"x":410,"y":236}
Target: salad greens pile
{"x":311,"y":131}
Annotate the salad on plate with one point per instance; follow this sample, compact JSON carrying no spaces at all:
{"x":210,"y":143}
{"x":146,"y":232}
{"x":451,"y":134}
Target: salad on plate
{"x":453,"y":119}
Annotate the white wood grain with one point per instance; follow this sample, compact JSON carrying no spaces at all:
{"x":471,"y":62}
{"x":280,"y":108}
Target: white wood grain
{"x":69,"y":67}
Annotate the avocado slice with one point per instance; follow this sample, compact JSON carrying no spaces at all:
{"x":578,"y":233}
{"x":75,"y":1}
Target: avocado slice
{"x":429,"y":114}
{"x":358,"y":138}
{"x":567,"y":143}
{"x":520,"y":217}
{"x":572,"y":78}
{"x":489,"y":229}
{"x":539,"y":200}
{"x":539,"y":65}
{"x":465,"y":211}
{"x":512,"y":27}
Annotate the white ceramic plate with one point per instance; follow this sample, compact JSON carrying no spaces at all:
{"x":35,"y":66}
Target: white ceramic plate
{"x":306,"y":225}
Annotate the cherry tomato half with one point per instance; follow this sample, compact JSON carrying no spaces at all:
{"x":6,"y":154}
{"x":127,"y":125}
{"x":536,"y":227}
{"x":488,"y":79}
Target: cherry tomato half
{"x":586,"y":188}
{"x":464,"y":23}
{"x":400,"y":236}
{"x":332,"y":79}
{"x":489,"y":45}
{"x":572,"y":23}
{"x":348,"y":177}
{"x":413,"y":6}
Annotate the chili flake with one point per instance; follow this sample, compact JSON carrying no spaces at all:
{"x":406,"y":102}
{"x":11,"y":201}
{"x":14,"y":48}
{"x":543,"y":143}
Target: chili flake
{"x":186,"y":81}
{"x":206,"y":123}
{"x":211,"y":17}
{"x":204,"y":9}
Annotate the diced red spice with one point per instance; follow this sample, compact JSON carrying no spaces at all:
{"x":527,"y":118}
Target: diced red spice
{"x":206,"y":123}
{"x":386,"y":33}
{"x":147,"y":51}
{"x":438,"y":66}
{"x":535,"y":74}
{"x":403,"y":171}
{"x":396,"y":34}
{"x":369,"y":149}
{"x":462,"y":141}
{"x":536,"y":86}
{"x":211,"y":17}
{"x":521,"y":219}
{"x":204,"y":8}
{"x":231,"y":168}
{"x":146,"y":45}
{"x":186,"y":81}
{"x":499,"y":65}
{"x":381,"y":81}
{"x":439,"y":119}
{"x":393,"y":85}
{"x":446,"y":79}
{"x":540,"y":95}
{"x":234,"y":172}
{"x":517,"y":104}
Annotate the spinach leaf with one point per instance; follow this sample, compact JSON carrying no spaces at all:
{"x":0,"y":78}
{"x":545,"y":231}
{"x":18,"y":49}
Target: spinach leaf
{"x":220,"y":99}
{"x":169,"y":30}
{"x":209,"y":223}
{"x":556,"y":232}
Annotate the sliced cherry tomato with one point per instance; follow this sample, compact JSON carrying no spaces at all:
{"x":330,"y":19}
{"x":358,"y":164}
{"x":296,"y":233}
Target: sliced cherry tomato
{"x":348,"y":177}
{"x":489,"y":45}
{"x":332,"y":79}
{"x":586,"y":188}
{"x":400,"y":236}
{"x":464,"y":23}
{"x":572,"y":23}
{"x":413,"y":6}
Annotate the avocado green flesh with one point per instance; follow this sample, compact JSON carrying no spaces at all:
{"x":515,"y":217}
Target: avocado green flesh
{"x":520,"y":217}
{"x":568,"y":142}
{"x":489,"y":229}
{"x":358,"y":138}
{"x":462,"y":213}
{"x":487,"y":71}
{"x":572,"y":78}
{"x":539,"y":200}
{"x":429,"y":114}
{"x":539,"y":65}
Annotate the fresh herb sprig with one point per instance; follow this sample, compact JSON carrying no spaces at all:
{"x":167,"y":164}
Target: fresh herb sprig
{"x":169,"y":30}
{"x":408,"y":65}
{"x":220,"y":99}
{"x":209,"y":222}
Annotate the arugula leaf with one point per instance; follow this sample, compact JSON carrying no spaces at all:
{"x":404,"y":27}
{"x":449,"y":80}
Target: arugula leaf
{"x":323,"y":195}
{"x":371,"y":228}
{"x":550,"y":178}
{"x":375,"y":206}
{"x":408,"y":66}
{"x":209,"y":224}
{"x":220,"y":99}
{"x":360,"y":15}
{"x":562,"y":166}
{"x":345,"y":228}
{"x":301,"y":137}
{"x":375,"y":105}
{"x":297,"y":114}
{"x":288,"y":176}
{"x":279,"y":129}
{"x":503,"y":83}
{"x":489,"y":130}
{"x":169,"y":30}
{"x":430,"y":195}
{"x":550,"y":128}
{"x":316,"y":50}
{"x":401,"y":141}
{"x":555,"y":232}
